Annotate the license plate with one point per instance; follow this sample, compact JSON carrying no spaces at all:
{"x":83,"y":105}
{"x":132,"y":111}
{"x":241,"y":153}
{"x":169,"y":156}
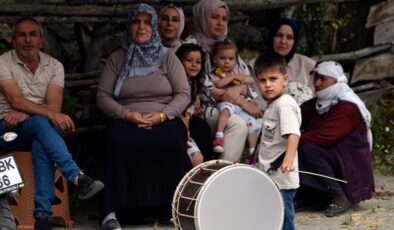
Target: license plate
{"x":10,"y":177}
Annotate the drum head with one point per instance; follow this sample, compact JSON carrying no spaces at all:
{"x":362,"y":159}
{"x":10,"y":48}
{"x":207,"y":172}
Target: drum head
{"x":239,"y":197}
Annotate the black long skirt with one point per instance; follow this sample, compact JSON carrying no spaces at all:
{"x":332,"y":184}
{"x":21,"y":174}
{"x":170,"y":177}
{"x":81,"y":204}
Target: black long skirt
{"x":202,"y":135}
{"x":143,"y":167}
{"x":316,"y":191}
{"x":314,"y":158}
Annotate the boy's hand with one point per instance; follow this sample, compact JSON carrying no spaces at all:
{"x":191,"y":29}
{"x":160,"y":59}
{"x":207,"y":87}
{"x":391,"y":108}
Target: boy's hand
{"x":291,"y":150}
{"x":286,"y":166}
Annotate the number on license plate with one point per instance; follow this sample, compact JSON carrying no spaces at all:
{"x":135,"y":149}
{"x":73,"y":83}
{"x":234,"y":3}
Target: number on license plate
{"x":10,"y":177}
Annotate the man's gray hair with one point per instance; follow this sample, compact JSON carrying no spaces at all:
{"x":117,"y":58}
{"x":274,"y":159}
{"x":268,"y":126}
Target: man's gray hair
{"x":27,"y":18}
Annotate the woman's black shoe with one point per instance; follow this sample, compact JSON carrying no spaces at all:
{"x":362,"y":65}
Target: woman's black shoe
{"x":336,"y":209}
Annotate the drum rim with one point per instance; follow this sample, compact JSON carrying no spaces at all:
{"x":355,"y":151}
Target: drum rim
{"x":237,"y":165}
{"x":214,"y":175}
{"x":182,"y":183}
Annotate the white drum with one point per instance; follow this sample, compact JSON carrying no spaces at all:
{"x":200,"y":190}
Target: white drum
{"x":221,"y":195}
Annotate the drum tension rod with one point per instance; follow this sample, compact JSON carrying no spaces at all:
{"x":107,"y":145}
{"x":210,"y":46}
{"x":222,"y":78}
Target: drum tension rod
{"x":188,"y":198}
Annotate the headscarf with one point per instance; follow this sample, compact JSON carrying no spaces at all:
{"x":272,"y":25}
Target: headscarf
{"x":170,"y":43}
{"x":328,"y":97}
{"x":274,"y":29}
{"x":202,"y":11}
{"x":143,"y":59}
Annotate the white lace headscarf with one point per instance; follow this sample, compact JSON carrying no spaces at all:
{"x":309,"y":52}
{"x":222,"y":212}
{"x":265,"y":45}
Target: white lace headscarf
{"x":329,"y":96}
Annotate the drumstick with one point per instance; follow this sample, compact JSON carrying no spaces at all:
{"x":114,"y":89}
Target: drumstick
{"x":276,"y":163}
{"x":320,"y":175}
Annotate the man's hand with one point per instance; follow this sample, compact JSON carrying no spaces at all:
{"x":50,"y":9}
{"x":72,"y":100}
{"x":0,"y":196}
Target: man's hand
{"x":61,"y":120}
{"x":12,"y":119}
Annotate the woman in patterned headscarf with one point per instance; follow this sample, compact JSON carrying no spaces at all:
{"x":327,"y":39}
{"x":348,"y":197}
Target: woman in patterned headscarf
{"x":143,"y":90}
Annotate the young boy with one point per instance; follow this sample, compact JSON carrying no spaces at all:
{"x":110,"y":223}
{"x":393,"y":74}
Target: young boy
{"x":281,"y":130}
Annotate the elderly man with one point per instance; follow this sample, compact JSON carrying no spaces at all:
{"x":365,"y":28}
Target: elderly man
{"x":336,"y":141}
{"x":31,"y":86}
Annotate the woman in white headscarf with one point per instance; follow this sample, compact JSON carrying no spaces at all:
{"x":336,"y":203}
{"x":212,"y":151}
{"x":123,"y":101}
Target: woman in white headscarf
{"x":143,"y":90}
{"x":210,"y":24}
{"x":336,"y":141}
{"x":171,"y":24}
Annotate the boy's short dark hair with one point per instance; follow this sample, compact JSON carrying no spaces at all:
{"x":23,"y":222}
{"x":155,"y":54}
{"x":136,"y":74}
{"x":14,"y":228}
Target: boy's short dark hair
{"x":269,"y":60}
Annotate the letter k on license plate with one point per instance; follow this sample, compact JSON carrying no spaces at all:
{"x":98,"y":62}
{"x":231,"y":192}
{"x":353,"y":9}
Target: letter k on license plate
{"x":10,"y":177}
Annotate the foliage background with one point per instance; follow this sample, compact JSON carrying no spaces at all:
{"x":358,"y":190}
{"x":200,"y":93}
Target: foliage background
{"x":383,"y":135}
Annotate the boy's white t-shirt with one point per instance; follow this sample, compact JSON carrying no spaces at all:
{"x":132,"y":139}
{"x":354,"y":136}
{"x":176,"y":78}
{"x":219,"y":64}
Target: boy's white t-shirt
{"x":282,"y":117}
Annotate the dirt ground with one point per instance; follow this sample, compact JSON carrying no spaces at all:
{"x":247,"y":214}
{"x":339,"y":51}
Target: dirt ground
{"x":376,"y":214}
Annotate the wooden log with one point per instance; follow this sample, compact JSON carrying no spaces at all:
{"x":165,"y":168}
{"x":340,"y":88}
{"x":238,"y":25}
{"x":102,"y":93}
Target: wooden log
{"x":99,"y":31}
{"x":67,"y":20}
{"x":379,"y":13}
{"x":55,"y":10}
{"x":107,"y":2}
{"x":94,"y":19}
{"x":84,"y":130}
{"x":241,"y":4}
{"x":81,"y":83}
{"x":384,"y":33}
{"x":374,"y":68}
{"x":371,"y":97}
{"x":355,"y":55}
{"x":364,"y":87}
{"x":258,"y":5}
{"x":81,"y":76}
{"x":118,"y":9}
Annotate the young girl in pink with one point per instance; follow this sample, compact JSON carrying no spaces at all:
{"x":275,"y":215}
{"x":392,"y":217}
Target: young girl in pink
{"x":228,"y":74}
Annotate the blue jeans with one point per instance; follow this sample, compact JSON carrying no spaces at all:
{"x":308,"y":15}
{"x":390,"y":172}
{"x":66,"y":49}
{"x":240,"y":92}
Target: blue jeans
{"x":48,"y":148}
{"x":288,"y":196}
